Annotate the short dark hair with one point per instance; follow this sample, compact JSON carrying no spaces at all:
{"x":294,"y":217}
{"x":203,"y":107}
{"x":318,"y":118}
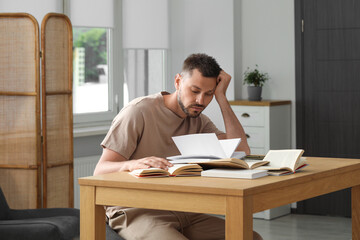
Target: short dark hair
{"x":205,"y":64}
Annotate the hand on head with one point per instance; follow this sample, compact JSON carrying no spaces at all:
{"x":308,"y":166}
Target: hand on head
{"x":223,"y":81}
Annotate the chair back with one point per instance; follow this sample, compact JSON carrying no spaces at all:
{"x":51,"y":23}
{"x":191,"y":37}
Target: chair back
{"x":4,"y":207}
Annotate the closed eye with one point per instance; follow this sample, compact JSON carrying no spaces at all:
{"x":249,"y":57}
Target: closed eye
{"x":209,"y":93}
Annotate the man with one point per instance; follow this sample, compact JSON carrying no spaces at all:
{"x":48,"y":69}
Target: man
{"x":140,"y":137}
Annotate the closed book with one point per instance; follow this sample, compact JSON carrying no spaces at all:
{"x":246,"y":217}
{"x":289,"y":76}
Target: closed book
{"x":234,"y":173}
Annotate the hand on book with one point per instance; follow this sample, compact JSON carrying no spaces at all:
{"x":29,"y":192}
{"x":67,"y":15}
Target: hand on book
{"x":149,"y":162}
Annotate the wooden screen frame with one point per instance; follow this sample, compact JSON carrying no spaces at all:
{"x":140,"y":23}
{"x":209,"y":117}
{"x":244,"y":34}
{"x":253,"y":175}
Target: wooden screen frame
{"x":35,"y":94}
{"x":67,"y":93}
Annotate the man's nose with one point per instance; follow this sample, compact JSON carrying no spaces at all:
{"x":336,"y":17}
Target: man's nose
{"x":200,"y":99}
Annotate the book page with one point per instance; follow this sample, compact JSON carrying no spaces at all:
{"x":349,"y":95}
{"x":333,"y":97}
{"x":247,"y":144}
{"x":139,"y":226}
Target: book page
{"x":185,"y":170}
{"x":229,"y":146}
{"x":252,"y":163}
{"x":149,"y":172}
{"x":201,"y":144}
{"x":223,"y":162}
{"x":239,"y":154}
{"x":172,"y":169}
{"x":301,"y":162}
{"x":280,"y":159}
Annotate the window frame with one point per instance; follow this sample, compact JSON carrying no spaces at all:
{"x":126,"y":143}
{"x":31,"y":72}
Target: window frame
{"x":89,"y":123}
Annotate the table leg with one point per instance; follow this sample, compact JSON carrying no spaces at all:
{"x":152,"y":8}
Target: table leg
{"x":238,"y":218}
{"x":355,"y":202}
{"x":92,"y":216}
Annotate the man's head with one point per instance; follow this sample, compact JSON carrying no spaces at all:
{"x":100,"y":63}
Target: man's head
{"x":206,"y":65}
{"x":196,"y":84}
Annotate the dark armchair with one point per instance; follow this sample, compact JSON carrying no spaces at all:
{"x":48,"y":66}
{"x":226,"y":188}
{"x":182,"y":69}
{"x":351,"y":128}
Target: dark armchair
{"x":46,"y":223}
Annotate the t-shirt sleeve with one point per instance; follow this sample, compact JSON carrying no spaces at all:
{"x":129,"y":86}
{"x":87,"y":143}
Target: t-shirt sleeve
{"x":209,"y":126}
{"x":125,"y":131}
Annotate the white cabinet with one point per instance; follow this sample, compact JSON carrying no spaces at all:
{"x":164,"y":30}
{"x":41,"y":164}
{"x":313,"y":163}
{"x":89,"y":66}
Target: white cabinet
{"x":267,"y":126}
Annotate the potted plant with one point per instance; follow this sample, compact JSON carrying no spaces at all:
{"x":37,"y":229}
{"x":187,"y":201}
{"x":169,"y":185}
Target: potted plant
{"x":255,"y":80}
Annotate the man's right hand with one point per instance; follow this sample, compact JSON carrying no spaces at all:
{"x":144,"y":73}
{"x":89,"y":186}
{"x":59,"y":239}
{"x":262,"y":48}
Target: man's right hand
{"x":111,"y":161}
{"x":148,"y":162}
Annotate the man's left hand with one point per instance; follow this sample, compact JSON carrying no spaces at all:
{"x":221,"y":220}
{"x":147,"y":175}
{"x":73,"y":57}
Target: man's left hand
{"x":223,"y":81}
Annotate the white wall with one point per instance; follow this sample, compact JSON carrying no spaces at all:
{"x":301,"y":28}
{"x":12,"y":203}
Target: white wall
{"x":263,"y":32}
{"x":37,"y":8}
{"x":202,"y":26}
{"x":268,"y":39}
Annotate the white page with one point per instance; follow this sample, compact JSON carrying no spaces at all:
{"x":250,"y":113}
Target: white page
{"x":229,"y":146}
{"x":172,"y":169}
{"x":238,"y":154}
{"x":250,"y":163}
{"x":201,"y":144}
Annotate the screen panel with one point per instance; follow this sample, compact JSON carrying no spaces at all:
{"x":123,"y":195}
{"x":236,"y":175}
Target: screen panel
{"x":56,"y":45}
{"x":20,"y":134}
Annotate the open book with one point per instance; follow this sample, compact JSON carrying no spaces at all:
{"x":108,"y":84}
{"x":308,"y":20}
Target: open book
{"x":205,"y":145}
{"x":223,"y":163}
{"x":283,"y":162}
{"x":176,"y":170}
{"x":208,"y":151}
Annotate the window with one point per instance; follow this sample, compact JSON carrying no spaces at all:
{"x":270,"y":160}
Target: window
{"x":96,"y":84}
{"x":144,"y":72}
{"x":91,"y":70}
{"x":103,"y":58}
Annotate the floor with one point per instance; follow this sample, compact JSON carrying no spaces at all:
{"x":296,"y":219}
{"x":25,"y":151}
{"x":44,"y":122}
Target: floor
{"x":304,"y":227}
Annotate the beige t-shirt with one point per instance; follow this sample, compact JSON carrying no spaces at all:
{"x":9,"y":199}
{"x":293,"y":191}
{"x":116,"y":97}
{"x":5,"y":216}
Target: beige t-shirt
{"x":145,"y":126}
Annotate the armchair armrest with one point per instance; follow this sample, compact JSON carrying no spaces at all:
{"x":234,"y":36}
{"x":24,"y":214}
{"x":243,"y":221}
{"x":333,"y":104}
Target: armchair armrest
{"x":43,"y":213}
{"x":27,"y":230}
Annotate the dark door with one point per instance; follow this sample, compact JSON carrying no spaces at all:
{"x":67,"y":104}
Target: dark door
{"x":328,"y":89}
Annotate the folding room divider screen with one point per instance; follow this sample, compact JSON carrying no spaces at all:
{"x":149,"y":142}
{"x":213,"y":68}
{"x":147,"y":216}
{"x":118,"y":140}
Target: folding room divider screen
{"x":36,"y":142}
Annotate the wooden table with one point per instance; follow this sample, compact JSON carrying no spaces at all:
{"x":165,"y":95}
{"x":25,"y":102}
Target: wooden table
{"x":237,"y":199}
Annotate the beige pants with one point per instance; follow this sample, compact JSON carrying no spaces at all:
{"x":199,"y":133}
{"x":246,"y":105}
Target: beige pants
{"x":136,"y":224}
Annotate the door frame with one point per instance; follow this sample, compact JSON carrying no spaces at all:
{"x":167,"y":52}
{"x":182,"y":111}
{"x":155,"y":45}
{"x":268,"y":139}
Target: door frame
{"x":299,"y":72}
{"x":299,"y":83}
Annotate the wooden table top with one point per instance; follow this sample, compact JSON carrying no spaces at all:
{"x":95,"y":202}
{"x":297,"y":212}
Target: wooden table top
{"x":318,"y":168}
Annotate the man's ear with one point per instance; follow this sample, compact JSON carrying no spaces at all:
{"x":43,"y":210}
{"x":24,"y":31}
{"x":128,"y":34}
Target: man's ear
{"x":177,"y":81}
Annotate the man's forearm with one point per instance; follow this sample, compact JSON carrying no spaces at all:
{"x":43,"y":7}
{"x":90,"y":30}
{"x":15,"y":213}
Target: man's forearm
{"x":233,"y":127}
{"x":111,"y":161}
{"x":110,"y":166}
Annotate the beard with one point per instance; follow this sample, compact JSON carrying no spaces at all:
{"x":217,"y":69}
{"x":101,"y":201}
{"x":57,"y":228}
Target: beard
{"x":195,"y":114}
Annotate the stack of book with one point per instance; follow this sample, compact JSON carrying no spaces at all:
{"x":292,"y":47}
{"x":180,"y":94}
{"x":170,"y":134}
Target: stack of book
{"x":217,"y":158}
